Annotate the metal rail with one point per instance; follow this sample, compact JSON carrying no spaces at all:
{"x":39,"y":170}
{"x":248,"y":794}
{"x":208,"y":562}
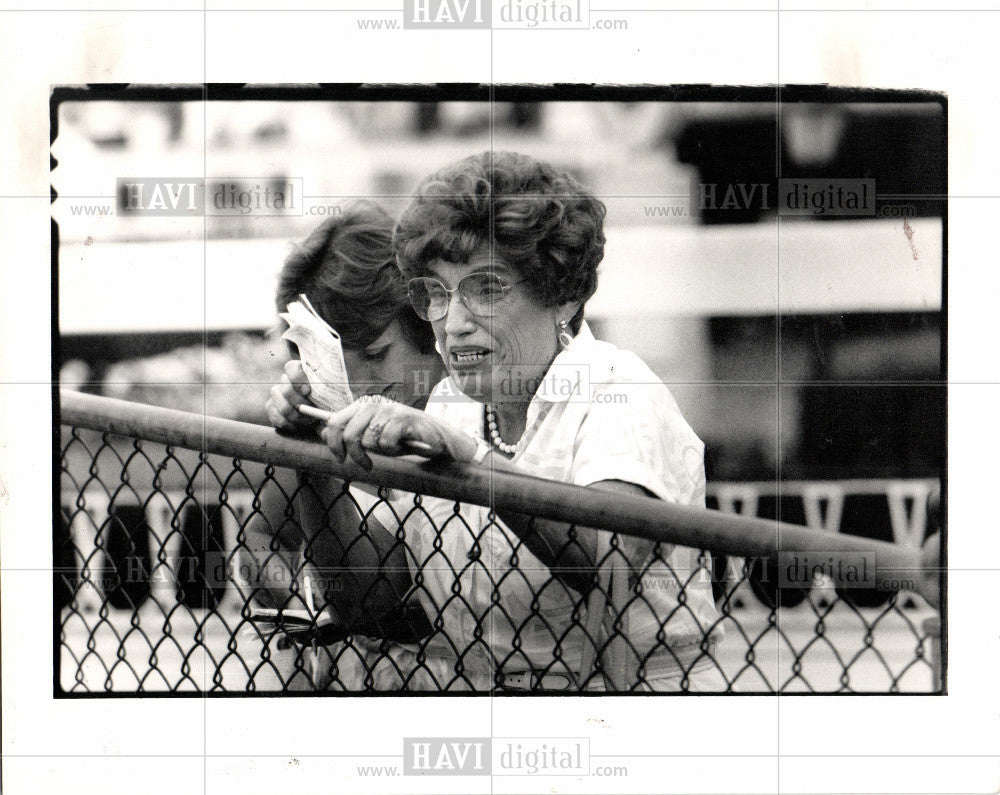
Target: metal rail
{"x":643,"y":517}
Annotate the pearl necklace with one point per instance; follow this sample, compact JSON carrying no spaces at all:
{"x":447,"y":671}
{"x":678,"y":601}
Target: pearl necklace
{"x":498,"y":443}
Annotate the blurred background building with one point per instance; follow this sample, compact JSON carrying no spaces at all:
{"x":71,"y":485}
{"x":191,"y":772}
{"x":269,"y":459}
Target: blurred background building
{"x":809,"y":346}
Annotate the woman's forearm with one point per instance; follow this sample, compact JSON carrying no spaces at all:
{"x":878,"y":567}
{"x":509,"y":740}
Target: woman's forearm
{"x":570,"y":551}
{"x":361,"y":566}
{"x":382,"y":426}
{"x":266,"y":559}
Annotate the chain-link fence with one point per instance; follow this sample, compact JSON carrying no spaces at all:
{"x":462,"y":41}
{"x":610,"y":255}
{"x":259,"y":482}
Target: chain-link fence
{"x":195,"y":555}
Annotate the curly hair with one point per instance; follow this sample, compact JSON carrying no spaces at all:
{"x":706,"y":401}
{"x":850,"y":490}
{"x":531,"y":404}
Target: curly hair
{"x":347,"y":270}
{"x":542,"y":222}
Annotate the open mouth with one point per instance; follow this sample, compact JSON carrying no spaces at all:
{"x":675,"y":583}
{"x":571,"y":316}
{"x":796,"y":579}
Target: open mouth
{"x":466,"y":356}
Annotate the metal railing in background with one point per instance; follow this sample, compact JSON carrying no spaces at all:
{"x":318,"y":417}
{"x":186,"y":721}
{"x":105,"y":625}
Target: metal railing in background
{"x":894,"y":509}
{"x":156,"y":505}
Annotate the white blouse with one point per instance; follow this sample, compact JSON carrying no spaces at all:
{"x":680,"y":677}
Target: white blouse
{"x":600,"y":414}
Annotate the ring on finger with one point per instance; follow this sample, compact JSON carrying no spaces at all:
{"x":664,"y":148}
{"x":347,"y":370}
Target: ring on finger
{"x":375,"y":431}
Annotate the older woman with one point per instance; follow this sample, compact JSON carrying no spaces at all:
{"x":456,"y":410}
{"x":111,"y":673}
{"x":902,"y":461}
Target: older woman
{"x":501,"y":253}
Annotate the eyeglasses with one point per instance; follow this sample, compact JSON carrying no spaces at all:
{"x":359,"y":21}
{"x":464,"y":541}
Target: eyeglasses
{"x":480,"y":292}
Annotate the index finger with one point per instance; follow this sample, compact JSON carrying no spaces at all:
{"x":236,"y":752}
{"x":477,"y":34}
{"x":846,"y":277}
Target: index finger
{"x":311,"y":411}
{"x":343,"y":416}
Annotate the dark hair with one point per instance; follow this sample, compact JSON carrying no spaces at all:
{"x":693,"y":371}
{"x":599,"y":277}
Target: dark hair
{"x":347,"y":270}
{"x":541,"y":221}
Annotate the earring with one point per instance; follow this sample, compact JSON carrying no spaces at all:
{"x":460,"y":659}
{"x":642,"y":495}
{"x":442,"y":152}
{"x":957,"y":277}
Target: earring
{"x":565,"y":338}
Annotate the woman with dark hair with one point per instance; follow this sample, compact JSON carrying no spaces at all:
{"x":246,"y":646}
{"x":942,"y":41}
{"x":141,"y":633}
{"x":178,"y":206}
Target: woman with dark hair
{"x":347,"y":270}
{"x":500,"y":252}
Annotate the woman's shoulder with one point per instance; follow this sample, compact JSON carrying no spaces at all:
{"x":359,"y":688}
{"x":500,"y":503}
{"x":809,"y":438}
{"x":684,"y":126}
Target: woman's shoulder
{"x":606,"y":361}
{"x":612,"y":366}
{"x":633,"y":430}
{"x":625,"y":389}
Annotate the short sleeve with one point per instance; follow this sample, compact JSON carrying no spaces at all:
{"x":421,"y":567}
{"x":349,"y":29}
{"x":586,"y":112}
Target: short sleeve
{"x":635,"y":433}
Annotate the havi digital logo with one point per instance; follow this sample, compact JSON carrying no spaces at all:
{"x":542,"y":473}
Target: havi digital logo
{"x":449,"y":14}
{"x":447,"y":756}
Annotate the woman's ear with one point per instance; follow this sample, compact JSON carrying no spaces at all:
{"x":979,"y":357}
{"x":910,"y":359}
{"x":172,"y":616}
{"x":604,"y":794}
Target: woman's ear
{"x":567,"y":311}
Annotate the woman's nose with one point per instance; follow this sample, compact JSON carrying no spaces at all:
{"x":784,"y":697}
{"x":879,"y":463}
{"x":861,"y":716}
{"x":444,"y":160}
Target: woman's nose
{"x":459,"y":319}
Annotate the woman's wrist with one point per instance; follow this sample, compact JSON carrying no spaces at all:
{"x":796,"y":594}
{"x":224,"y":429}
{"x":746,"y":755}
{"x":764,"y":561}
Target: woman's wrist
{"x":481,"y":452}
{"x":466,"y":449}
{"x":461,"y":446}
